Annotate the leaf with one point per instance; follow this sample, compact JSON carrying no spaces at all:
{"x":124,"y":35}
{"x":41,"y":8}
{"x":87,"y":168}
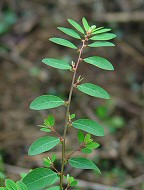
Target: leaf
{"x":40,"y":178}
{"x":54,"y":188}
{"x":99,"y":62}
{"x":80,"y":136}
{"x":21,"y":185}
{"x":74,"y":183}
{"x":10,"y":184}
{"x":46,"y":102}
{"x":56,"y":63}
{"x":70,"y":32}
{"x":76,"y":25}
{"x":63,"y":42}
{"x":86,"y":150}
{"x":93,"y":90}
{"x":105,"y":36}
{"x":3,"y":188}
{"x":85,"y":24}
{"x":46,"y":163}
{"x":89,"y":126}
{"x":92,"y":145}
{"x":99,"y":28}
{"x":101,"y":31}
{"x":51,"y":120}
{"x":87,"y":138}
{"x":43,"y":144}
{"x":72,"y":116}
{"x":101,"y":44}
{"x":45,"y":130}
{"x":83,"y":163}
{"x":53,"y":157}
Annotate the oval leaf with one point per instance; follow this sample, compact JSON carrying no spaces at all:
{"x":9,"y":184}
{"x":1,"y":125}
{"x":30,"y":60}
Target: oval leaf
{"x":92,"y":145}
{"x":101,"y":44}
{"x":70,"y":32}
{"x":21,"y":185}
{"x":10,"y":184}
{"x":99,"y":62}
{"x":80,"y":136}
{"x":85,"y":24}
{"x":105,"y":36}
{"x":63,"y":42}
{"x":45,"y":130}
{"x":83,"y":163}
{"x":76,"y":25}
{"x":3,"y":188}
{"x":46,"y":102}
{"x":93,"y":90}
{"x":43,"y":144}
{"x":56,"y":63}
{"x":89,"y":126}
{"x":102,"y":31}
{"x":86,"y":150}
{"x":40,"y":178}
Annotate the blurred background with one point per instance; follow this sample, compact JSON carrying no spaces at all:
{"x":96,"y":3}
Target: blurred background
{"x":25,"y":29}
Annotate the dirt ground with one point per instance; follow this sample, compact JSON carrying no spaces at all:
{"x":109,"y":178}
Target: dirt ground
{"x":24,"y":42}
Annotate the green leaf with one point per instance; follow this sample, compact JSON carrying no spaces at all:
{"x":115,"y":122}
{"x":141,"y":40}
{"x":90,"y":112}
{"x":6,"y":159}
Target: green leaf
{"x":45,"y":130}
{"x":89,"y":126}
{"x":21,"y":185}
{"x":80,"y":136}
{"x":76,"y":25}
{"x":70,"y":32}
{"x":70,"y":179}
{"x":99,"y":28}
{"x":101,"y":44}
{"x":85,"y":24}
{"x":105,"y":36}
{"x":54,"y":188}
{"x":53,"y":157}
{"x":99,"y":62}
{"x":92,"y":145}
{"x":87,"y":138}
{"x":46,"y":162}
{"x":83,"y":163}
{"x":40,"y":178}
{"x":72,"y":116}
{"x":46,"y":102}
{"x":86,"y":150}
{"x":43,"y":144}
{"x":93,"y":90}
{"x":10,"y":184}
{"x":51,"y":120}
{"x":3,"y":188}
{"x":74,"y":183}
{"x":56,"y":63}
{"x":101,"y":31}
{"x":63,"y":42}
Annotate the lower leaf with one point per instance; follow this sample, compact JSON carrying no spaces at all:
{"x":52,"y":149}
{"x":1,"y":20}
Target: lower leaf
{"x":40,"y":178}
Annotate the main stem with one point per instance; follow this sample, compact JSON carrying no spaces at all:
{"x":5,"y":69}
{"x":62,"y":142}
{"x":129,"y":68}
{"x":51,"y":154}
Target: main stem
{"x":68,"y":112}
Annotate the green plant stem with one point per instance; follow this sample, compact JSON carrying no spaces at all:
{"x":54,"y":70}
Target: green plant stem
{"x":68,"y":112}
